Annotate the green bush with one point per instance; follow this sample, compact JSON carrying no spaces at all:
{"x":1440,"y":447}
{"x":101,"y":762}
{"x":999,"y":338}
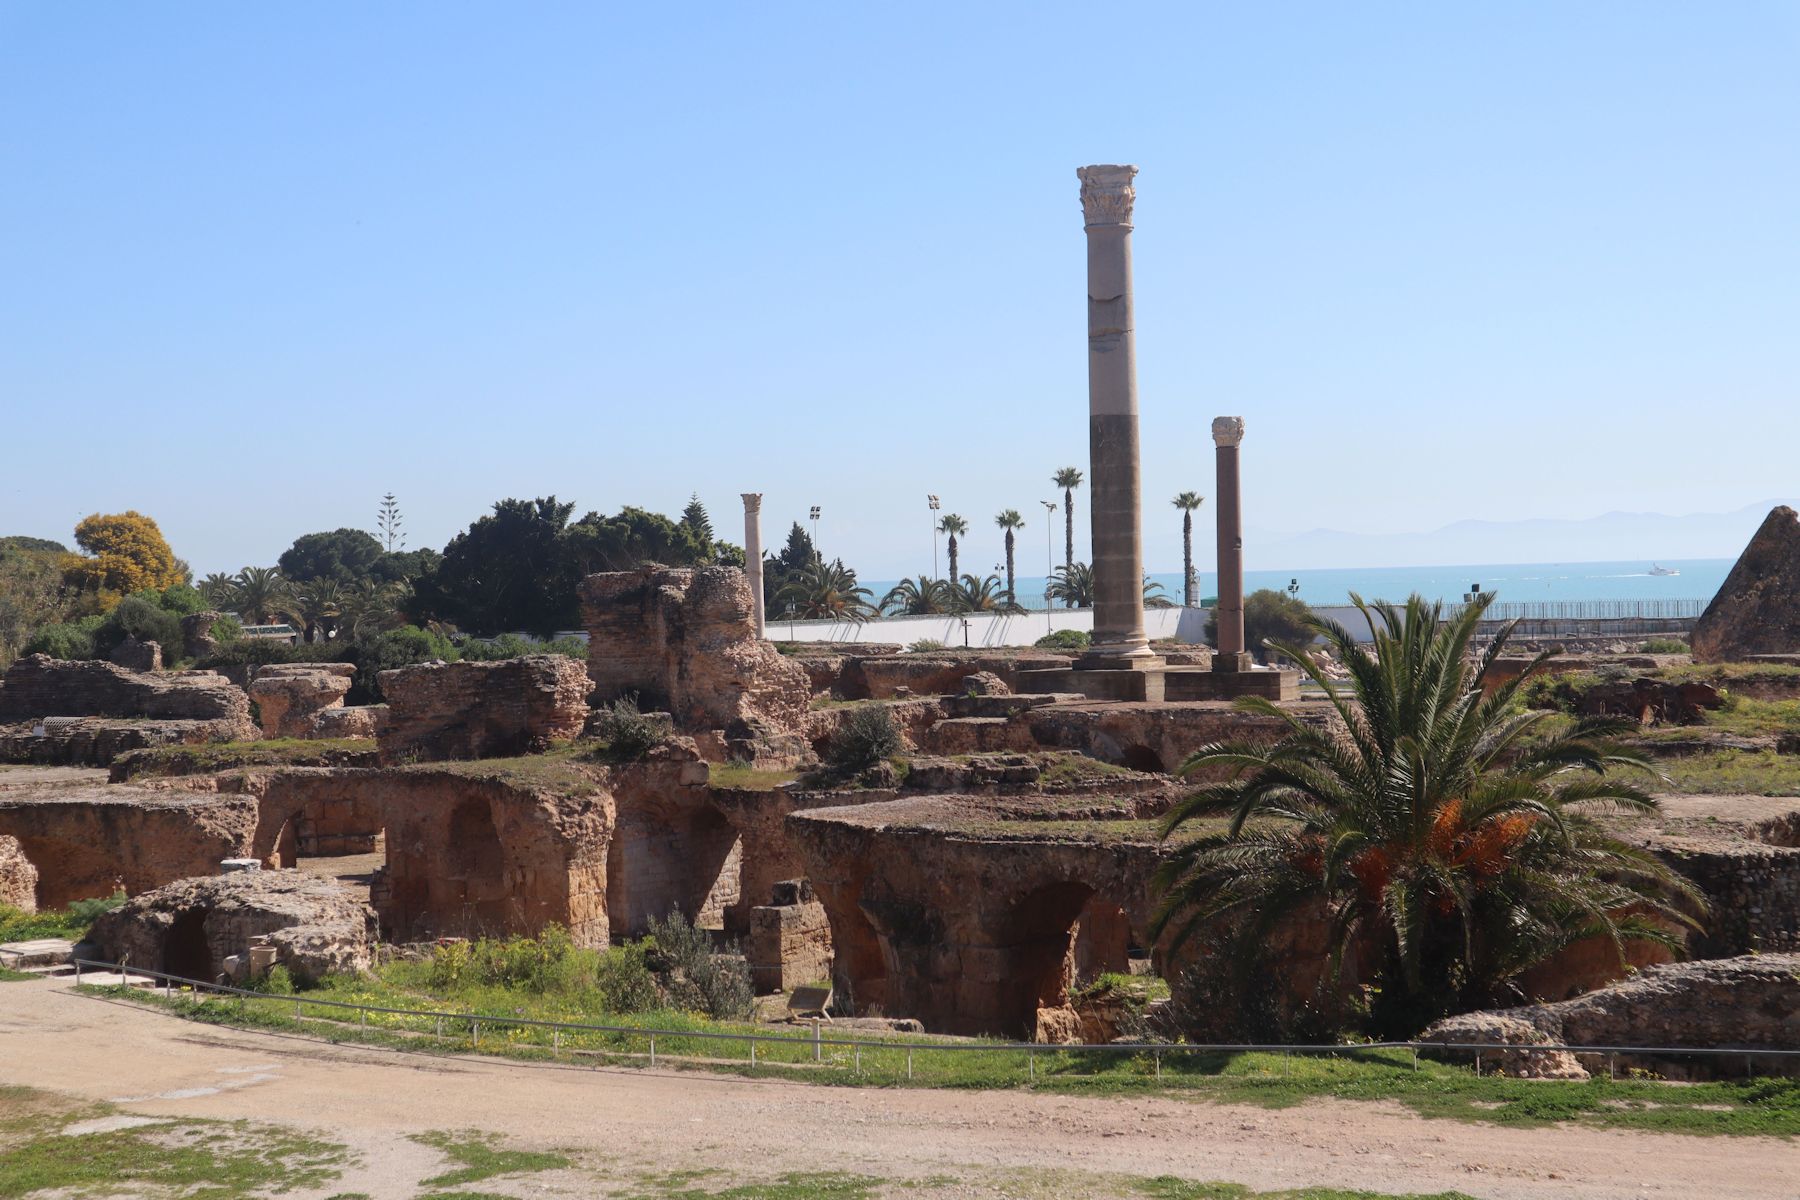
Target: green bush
{"x":627,"y":734}
{"x":864,"y":737}
{"x":925,"y":646}
{"x":511,"y":645}
{"x":622,"y":979}
{"x":692,"y":976}
{"x":278,"y":982}
{"x":1065,"y":639}
{"x":548,"y":962}
{"x":71,"y":640}
{"x":1662,"y":645}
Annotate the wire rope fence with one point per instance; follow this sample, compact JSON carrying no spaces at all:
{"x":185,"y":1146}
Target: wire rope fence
{"x":899,"y":1055}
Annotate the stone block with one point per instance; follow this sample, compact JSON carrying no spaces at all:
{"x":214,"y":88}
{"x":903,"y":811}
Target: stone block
{"x":482,"y":709}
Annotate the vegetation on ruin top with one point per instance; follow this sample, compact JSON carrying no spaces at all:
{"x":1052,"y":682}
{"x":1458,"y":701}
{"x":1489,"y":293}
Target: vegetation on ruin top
{"x":561,"y":769}
{"x":163,"y":761}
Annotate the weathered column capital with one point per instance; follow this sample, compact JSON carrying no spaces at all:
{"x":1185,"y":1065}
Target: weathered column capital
{"x":752,"y":501}
{"x":1107,"y":194}
{"x":1228,"y":431}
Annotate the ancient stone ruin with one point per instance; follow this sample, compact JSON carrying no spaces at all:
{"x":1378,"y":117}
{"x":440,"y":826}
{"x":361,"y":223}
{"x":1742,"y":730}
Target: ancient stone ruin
{"x":291,"y":698}
{"x":482,"y":709}
{"x":52,"y":711}
{"x":1757,"y":610}
{"x":686,"y":640}
{"x":205,"y":928}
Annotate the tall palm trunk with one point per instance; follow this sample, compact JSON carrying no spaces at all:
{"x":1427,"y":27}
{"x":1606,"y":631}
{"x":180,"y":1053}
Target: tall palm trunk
{"x":953,"y":575}
{"x":1190,"y":584}
{"x":1069,"y":533}
{"x":1010,"y":594}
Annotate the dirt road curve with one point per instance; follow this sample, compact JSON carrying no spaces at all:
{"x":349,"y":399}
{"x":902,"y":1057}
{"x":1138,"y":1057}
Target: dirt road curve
{"x":656,"y":1121}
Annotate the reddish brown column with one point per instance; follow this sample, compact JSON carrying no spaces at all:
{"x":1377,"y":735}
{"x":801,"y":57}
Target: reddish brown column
{"x":1231,"y":656}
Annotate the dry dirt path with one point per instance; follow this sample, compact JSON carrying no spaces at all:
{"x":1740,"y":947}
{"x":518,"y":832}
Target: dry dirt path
{"x":651,"y":1121}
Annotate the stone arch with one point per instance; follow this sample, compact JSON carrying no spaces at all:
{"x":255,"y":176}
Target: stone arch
{"x":185,"y":950}
{"x":666,"y":857}
{"x":1103,"y":938}
{"x":1140,"y":757}
{"x":1040,"y":936}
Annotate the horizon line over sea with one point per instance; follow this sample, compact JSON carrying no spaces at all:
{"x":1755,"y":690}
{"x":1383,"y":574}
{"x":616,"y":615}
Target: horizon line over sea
{"x":1631,"y":579}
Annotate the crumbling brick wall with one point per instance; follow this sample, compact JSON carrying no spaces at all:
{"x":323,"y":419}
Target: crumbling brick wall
{"x":482,"y":709}
{"x":687,"y":639}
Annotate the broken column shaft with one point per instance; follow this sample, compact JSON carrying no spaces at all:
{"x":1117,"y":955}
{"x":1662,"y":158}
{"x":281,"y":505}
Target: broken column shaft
{"x":753,"y":566}
{"x":1227,"y":433}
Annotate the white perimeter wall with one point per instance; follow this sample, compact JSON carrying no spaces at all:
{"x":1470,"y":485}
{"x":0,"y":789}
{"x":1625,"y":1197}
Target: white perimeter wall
{"x":984,"y":629}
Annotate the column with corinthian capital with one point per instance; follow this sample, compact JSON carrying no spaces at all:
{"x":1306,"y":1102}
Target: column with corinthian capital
{"x":753,"y":553}
{"x":1114,"y":504}
{"x":1227,"y":433}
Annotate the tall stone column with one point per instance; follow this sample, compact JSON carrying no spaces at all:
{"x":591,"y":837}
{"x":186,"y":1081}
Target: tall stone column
{"x":1114,"y":505}
{"x":753,"y":553}
{"x":1227,"y":433}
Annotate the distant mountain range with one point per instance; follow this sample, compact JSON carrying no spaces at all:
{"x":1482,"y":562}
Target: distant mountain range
{"x":1611,"y":537}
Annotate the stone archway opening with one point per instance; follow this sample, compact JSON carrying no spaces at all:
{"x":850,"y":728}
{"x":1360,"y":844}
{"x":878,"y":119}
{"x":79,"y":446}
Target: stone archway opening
{"x":1102,"y":941}
{"x":1042,"y":944}
{"x":1142,"y":758}
{"x":185,"y":951}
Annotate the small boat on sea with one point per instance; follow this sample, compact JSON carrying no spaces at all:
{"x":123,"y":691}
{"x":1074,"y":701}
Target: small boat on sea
{"x":1659,"y":569}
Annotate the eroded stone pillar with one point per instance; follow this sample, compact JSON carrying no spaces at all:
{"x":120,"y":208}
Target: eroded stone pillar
{"x":1227,"y":433}
{"x":1114,"y":505}
{"x":753,"y":553}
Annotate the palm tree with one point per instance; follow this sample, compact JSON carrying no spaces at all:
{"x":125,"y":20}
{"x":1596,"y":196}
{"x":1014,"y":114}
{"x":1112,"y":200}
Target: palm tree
{"x":1068,"y":479}
{"x":983,"y":595}
{"x":370,"y":608}
{"x":1153,"y":595}
{"x":319,"y":607}
{"x":260,"y":593}
{"x":917,"y":597}
{"x":1443,"y":846}
{"x":954,"y":526}
{"x":1073,"y":585}
{"x":218,"y":590}
{"x":827,"y":590}
{"x":1010,"y":520}
{"x":1187,"y":502}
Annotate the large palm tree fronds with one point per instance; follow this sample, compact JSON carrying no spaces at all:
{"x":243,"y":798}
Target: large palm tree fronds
{"x":1449,"y":843}
{"x":919,"y":597}
{"x":260,"y":594}
{"x":1009,"y":520}
{"x":218,"y":589}
{"x":1073,"y":585}
{"x":974,"y":595}
{"x":827,"y":591}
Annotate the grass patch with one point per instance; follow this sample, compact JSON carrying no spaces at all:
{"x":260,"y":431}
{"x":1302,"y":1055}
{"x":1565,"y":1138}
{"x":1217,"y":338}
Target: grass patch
{"x":162,"y":761}
{"x":559,"y":770}
{"x":746,"y":778}
{"x":482,"y":1158}
{"x":1443,"y":1091}
{"x":71,"y":922}
{"x":8,"y":975}
{"x":198,"y":1160}
{"x":1168,"y":1187}
{"x":1733,"y":772}
{"x":806,"y":1185}
{"x":1078,"y":768}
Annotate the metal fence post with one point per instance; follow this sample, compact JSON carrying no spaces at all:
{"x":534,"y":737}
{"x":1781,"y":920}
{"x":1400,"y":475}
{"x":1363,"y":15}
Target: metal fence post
{"x":817,"y":1049}
{"x":1031,"y":1063}
{"x":753,"y":1052}
{"x":474,"y":1035}
{"x":1159,"y":1064}
{"x":909,"y":1062}
{"x":653,"y":1049}
{"x":859,"y":1058}
{"x":439,"y":1031}
{"x":556,"y":1043}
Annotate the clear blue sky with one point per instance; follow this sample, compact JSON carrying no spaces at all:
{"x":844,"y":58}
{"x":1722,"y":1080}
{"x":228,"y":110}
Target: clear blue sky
{"x":261,"y":263}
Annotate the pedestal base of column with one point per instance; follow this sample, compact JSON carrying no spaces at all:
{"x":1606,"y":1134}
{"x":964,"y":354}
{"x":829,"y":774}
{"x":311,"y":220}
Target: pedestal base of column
{"x":1243,"y":660}
{"x":1101,"y":659}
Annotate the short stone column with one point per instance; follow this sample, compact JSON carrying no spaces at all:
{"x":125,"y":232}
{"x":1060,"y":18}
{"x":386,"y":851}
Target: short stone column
{"x":753,"y":553}
{"x":1114,"y":504}
{"x":1227,"y":433}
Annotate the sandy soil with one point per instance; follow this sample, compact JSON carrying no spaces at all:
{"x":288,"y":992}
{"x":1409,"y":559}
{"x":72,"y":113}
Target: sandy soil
{"x":632,"y":1122}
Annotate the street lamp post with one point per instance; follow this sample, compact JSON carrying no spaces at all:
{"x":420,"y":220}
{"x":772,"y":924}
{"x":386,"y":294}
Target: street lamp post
{"x":818,"y":555}
{"x":931,"y":502}
{"x":1049,"y":557}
